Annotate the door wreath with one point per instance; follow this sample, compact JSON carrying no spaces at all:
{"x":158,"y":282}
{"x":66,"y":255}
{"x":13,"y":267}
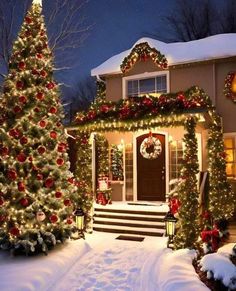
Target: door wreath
{"x":150,"y":148}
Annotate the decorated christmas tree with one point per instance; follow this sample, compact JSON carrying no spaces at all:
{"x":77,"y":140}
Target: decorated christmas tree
{"x":38,"y":194}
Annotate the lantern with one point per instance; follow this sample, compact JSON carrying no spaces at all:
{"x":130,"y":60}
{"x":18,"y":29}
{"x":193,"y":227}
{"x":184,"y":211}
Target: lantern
{"x":79,"y":219}
{"x":170,"y":222}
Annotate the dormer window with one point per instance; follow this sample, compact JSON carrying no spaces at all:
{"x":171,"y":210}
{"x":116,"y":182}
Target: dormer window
{"x":153,"y":84}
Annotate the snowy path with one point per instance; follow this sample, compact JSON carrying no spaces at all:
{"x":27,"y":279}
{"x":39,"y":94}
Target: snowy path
{"x":117,"y":265}
{"x":102,"y":263}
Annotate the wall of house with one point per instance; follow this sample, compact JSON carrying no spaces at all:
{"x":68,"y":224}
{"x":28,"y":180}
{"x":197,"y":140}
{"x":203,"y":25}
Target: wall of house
{"x":182,"y":78}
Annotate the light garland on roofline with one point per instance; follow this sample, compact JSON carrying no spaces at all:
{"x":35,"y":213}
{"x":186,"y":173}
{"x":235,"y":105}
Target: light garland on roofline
{"x":143,"y":52}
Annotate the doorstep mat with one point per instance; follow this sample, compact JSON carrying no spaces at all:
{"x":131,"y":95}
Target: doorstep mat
{"x":129,"y":237}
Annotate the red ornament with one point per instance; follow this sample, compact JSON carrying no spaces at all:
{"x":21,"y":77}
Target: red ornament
{"x":59,"y":124}
{"x":40,"y":96}
{"x":58,"y":194}
{"x":60,"y":162}
{"x":12,"y":175}
{"x":2,"y":218}
{"x":1,"y":201}
{"x":24,"y":140}
{"x":30,"y":159}
{"x":21,"y":66}
{"x":41,"y":150}
{"x":50,"y":85}
{"x":53,"y":218}
{"x":19,"y":85}
{"x":21,"y":157}
{"x":22,"y":99}
{"x":27,"y":33}
{"x":43,"y":73}
{"x":35,"y":72}
{"x":28,"y":19}
{"x":17,"y":109}
{"x":36,"y":109}
{"x":39,"y":56}
{"x":70,"y":180}
{"x":14,"y":133}
{"x":67,"y":202}
{"x":39,"y":177}
{"x":4,"y":151}
{"x":53,"y":110}
{"x":53,"y":134}
{"x":61,"y":147}
{"x":69,"y":220}
{"x":42,"y":123}
{"x":24,"y":202}
{"x":91,"y":115}
{"x":14,"y":231}
{"x":49,"y":183}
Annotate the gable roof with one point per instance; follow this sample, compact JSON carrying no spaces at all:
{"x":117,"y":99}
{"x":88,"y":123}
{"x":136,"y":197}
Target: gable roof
{"x":213,"y":47}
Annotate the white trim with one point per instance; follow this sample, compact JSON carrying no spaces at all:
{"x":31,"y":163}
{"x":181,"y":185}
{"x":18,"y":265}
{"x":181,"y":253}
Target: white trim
{"x":199,"y":149}
{"x":145,"y":76}
{"x":137,"y":134}
{"x":93,"y":163}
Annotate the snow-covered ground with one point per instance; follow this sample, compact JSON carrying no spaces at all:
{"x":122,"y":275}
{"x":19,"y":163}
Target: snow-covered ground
{"x":103,"y":263}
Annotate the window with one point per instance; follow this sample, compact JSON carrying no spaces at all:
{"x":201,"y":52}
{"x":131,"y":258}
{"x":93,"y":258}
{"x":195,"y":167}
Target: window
{"x":154,"y":85}
{"x":230,"y":149}
{"x":176,"y":158}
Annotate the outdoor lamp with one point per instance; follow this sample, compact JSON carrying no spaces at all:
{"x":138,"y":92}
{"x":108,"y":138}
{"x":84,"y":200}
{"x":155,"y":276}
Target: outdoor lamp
{"x":170,"y":222}
{"x":79,"y":219}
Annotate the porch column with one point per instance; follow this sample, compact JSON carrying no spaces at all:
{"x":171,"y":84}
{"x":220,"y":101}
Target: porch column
{"x":188,"y":225}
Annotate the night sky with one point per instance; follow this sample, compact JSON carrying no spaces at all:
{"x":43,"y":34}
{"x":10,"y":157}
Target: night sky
{"x":117,"y":24}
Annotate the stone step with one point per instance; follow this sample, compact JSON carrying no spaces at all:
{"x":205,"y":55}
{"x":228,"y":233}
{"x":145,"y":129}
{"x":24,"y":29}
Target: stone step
{"x":129,"y":230}
{"x":129,"y":216}
{"x":125,"y":211}
{"x":127,"y":222}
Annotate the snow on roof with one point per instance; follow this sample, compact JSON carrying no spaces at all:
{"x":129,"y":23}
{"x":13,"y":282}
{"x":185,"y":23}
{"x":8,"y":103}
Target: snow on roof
{"x":213,"y":47}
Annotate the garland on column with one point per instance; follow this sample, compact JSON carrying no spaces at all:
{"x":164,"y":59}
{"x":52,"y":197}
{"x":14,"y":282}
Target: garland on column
{"x":188,"y":194}
{"x":84,"y":158}
{"x":221,"y":196}
{"x":102,"y":148}
{"x":117,"y":163}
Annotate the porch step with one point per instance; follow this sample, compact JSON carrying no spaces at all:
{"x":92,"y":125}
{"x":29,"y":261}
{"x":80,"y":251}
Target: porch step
{"x":148,"y":222}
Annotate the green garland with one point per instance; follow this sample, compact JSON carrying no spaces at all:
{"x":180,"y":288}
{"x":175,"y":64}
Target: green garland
{"x":143,"y":51}
{"x":128,"y":114}
{"x":187,"y":191}
{"x":229,"y":93}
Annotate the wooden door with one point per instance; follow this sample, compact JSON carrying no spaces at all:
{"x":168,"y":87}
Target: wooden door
{"x":151,"y":175}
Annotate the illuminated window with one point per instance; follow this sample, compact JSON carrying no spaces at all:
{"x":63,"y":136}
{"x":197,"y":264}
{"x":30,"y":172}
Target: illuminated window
{"x":230,"y":149}
{"x":153,"y":86}
{"x":176,"y":158}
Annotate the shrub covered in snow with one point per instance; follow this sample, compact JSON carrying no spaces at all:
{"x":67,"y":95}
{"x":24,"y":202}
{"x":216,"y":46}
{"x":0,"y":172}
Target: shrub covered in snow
{"x":219,"y":267}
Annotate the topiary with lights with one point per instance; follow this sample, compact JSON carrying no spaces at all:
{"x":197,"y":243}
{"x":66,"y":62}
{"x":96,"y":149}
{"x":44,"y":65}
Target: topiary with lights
{"x":38,"y":193}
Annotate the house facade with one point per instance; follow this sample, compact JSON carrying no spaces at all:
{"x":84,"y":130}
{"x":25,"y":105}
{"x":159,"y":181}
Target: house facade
{"x":145,"y":161}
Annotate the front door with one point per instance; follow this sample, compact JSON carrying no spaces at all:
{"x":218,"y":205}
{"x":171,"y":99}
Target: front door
{"x":151,"y":184}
